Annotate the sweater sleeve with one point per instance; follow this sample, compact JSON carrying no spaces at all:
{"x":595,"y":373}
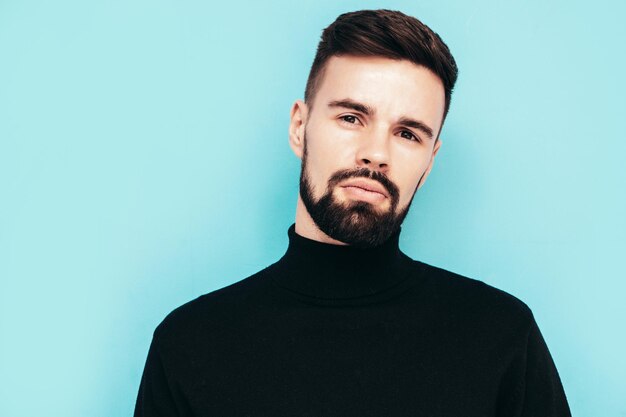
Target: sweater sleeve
{"x":543,"y":393}
{"x":532,"y":386}
{"x":157,"y":393}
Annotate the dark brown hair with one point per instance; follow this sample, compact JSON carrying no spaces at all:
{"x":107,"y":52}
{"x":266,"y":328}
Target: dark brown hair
{"x":384,"y":33}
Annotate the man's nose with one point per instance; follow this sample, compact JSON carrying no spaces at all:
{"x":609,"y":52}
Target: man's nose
{"x":373,"y":151}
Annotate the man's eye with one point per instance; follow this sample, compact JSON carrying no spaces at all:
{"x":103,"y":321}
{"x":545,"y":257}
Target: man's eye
{"x":348,"y":118}
{"x":408,"y":135}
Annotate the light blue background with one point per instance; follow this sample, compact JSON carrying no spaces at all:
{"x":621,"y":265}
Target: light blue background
{"x":144,"y":161}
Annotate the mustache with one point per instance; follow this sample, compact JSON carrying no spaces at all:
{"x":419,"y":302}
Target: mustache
{"x":344,"y":174}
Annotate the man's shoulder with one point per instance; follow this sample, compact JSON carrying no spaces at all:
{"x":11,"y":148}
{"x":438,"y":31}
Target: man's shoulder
{"x":469,"y":296}
{"x":220,"y":307}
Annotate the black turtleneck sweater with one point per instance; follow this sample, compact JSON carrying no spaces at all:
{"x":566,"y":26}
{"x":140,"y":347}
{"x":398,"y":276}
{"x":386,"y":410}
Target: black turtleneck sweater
{"x":332,"y":330}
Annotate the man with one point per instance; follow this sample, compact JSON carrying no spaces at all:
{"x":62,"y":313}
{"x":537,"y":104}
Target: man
{"x":345,"y":324}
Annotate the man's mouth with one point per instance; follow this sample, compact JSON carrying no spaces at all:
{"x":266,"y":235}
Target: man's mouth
{"x":365,"y":189}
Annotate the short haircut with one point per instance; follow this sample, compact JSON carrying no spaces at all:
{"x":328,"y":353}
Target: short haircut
{"x":388,"y":34}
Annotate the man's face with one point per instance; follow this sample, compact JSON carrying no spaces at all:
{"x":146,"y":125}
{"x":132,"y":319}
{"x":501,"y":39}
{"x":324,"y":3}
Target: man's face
{"x":367,"y":145}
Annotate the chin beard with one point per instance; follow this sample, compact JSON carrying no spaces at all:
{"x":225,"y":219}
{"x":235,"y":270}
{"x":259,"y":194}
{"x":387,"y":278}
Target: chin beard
{"x":356,"y":223}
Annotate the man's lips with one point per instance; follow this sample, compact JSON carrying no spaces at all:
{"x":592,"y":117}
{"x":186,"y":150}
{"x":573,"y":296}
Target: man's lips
{"x":366,"y":185}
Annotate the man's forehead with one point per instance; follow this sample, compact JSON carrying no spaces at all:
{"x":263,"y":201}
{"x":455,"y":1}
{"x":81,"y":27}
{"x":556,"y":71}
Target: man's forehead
{"x":378,"y":86}
{"x":372,"y":78}
{"x":351,"y":62}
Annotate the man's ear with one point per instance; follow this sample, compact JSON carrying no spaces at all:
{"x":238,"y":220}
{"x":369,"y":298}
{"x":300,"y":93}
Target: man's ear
{"x":430,"y":164}
{"x":299,"y":114}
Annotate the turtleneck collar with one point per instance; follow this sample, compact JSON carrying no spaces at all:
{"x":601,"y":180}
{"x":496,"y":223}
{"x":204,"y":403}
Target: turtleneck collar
{"x":340,"y":272}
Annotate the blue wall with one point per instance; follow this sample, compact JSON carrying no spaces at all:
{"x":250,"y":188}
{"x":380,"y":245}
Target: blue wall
{"x":144,"y":161}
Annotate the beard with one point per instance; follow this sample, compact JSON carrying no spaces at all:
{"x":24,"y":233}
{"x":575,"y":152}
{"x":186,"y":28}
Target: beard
{"x":357,"y":223}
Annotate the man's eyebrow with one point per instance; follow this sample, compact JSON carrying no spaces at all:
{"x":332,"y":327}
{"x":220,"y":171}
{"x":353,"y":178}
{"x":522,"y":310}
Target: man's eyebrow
{"x":416,"y":124}
{"x":351,"y":104}
{"x":369,"y":111}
